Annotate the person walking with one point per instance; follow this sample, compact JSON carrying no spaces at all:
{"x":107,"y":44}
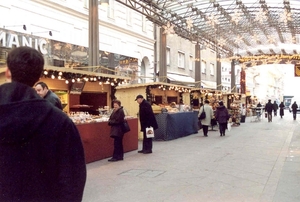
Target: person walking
{"x":243,"y":113}
{"x":275,"y":108}
{"x":42,"y":156}
{"x":208,"y":116}
{"x":116,"y":121}
{"x":281,"y":109}
{"x":269,"y":109}
{"x":294,"y":109}
{"x":43,"y":91}
{"x":222,"y":117}
{"x":147,"y":119}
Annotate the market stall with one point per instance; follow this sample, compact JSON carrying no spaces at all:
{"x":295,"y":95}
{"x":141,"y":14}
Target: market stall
{"x":97,"y":143}
{"x":160,"y":95}
{"x":175,"y":125}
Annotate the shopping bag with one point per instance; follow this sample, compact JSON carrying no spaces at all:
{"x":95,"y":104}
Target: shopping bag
{"x":150,"y":132}
{"x":125,"y":127}
{"x":229,"y":126}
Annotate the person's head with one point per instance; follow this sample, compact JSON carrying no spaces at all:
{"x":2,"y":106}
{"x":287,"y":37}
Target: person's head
{"x":41,"y":89}
{"x":24,"y":65}
{"x":139,"y":99}
{"x":269,"y":101}
{"x":206,"y":101}
{"x":221,"y":103}
{"x":117,"y":104}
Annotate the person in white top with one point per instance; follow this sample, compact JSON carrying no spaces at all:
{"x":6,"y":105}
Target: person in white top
{"x":209,"y":115}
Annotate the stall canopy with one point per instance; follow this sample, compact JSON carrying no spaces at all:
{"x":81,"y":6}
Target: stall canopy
{"x":180,"y":78}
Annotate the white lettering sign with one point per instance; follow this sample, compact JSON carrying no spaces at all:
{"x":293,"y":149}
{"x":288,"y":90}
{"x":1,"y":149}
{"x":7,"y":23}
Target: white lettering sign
{"x":9,"y":40}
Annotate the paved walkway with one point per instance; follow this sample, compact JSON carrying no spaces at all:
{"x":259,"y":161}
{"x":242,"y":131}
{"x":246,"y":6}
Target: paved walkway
{"x":256,"y":161}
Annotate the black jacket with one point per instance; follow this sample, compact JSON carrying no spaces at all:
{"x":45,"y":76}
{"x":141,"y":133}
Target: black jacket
{"x":52,"y":97}
{"x":147,"y":117}
{"x":294,"y":107}
{"x":41,"y":154}
{"x":116,"y":120}
{"x":222,"y":114}
{"x":269,"y":107}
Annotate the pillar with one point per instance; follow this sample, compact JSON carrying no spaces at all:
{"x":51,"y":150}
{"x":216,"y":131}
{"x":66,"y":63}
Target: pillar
{"x":162,"y":57}
{"x":197,"y":65}
{"x":233,"y":86}
{"x":93,"y":33}
{"x":219,"y":73}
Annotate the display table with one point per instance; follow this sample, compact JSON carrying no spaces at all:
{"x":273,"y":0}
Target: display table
{"x":175,"y":125}
{"x":98,"y":144}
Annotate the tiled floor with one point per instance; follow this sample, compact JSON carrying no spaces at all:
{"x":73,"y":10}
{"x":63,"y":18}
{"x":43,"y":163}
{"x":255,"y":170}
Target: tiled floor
{"x":256,"y":161}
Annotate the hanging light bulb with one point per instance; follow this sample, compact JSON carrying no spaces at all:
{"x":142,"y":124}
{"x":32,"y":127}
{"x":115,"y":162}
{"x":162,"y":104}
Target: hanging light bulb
{"x":59,"y":77}
{"x":52,"y":76}
{"x":73,"y":80}
{"x":60,"y":73}
{"x":78,"y":79}
{"x":67,"y":82}
{"x":100,"y":83}
{"x":46,"y":72}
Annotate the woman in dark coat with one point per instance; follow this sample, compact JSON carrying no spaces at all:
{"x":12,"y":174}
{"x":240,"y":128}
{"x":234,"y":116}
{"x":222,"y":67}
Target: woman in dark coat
{"x":281,"y":109}
{"x":222,"y":117}
{"x":116,"y":120}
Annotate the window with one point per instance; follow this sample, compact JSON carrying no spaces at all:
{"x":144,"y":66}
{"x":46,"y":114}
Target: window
{"x":168,"y":55}
{"x":212,"y":69}
{"x":203,"y":67}
{"x":129,"y":16}
{"x":180,"y":59}
{"x":111,"y":9}
{"x":191,"y":63}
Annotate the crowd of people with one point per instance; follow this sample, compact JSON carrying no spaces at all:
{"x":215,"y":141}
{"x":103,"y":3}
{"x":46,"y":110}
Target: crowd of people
{"x":222,"y":116}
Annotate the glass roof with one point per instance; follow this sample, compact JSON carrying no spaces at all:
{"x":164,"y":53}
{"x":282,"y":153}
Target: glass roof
{"x":229,"y":26}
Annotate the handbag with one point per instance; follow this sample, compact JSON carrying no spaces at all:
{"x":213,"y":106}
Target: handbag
{"x":125,"y":127}
{"x":202,"y":115}
{"x":150,"y":132}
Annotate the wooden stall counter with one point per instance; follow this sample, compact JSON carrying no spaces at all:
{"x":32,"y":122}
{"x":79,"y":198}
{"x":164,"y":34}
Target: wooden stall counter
{"x":98,"y":144}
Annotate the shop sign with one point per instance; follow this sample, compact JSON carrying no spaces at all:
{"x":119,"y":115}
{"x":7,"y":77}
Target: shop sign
{"x":10,"y":40}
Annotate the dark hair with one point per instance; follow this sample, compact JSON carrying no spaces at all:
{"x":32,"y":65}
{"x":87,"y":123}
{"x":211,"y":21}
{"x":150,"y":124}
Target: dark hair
{"x":118,"y":102}
{"x":44,"y":85}
{"x":206,"y":101}
{"x":25,"y":64}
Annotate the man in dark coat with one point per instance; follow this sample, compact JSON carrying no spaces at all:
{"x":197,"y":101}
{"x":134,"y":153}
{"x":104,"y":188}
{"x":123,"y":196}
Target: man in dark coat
{"x":41,"y":154}
{"x":269,"y":108}
{"x":222,"y":117}
{"x":275,"y":108}
{"x":294,"y":109}
{"x":43,"y":91}
{"x":147,"y":119}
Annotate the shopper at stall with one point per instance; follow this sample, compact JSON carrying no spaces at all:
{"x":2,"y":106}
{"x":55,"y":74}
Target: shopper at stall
{"x":208,"y":116}
{"x":269,"y":109}
{"x":42,"y":157}
{"x":281,"y":109}
{"x":116,"y":120}
{"x":43,"y":91}
{"x":294,"y":109}
{"x":222,"y":117}
{"x":147,"y":119}
{"x":275,"y":108}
